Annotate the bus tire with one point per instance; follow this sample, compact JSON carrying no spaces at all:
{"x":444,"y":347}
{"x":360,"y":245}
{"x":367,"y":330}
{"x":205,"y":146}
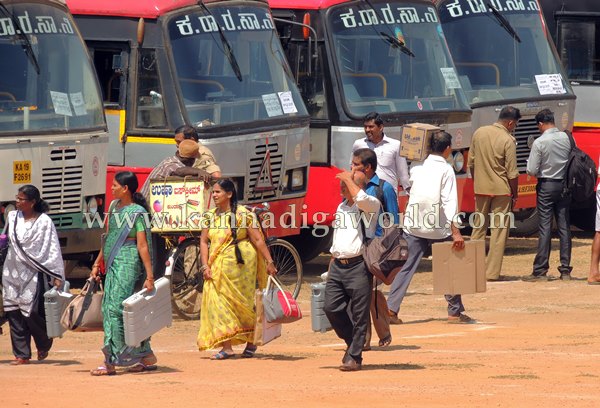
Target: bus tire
{"x":584,"y":218}
{"x":526,"y":222}
{"x":310,"y":246}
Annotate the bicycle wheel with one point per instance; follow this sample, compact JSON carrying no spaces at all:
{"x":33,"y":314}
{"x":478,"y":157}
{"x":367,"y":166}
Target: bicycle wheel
{"x":289,"y":266}
{"x":186,"y":279}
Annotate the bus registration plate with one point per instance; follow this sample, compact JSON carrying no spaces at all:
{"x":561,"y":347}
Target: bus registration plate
{"x":22,"y":172}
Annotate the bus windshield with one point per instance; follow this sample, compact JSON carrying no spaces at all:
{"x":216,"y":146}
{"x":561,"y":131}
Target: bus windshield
{"x":579,"y":45}
{"x":393,"y":58}
{"x":492,"y":63}
{"x":46,"y":79}
{"x":220,"y":87}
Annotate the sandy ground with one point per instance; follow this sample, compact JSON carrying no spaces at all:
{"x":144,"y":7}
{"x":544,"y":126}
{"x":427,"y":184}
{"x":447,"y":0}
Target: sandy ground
{"x":533,"y":345}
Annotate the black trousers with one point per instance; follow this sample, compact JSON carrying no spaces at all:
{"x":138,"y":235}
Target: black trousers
{"x":160,"y":254}
{"x":349,"y":286}
{"x":549,"y":204}
{"x":23,"y":328}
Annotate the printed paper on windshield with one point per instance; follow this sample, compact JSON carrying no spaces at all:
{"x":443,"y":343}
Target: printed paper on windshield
{"x":550,"y":84}
{"x":287,"y":102}
{"x":272,"y":105}
{"x":451,"y":78}
{"x":78,"y":103}
{"x":60,"y":101}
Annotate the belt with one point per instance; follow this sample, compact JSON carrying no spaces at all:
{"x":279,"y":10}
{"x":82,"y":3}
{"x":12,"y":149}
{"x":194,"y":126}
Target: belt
{"x":348,"y":262}
{"x":550,"y":180}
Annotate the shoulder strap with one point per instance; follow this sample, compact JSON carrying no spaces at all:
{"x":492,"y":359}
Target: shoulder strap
{"x":38,"y":266}
{"x":121,"y":240}
{"x":571,"y":139}
{"x":380,"y":195}
{"x":362,"y":227}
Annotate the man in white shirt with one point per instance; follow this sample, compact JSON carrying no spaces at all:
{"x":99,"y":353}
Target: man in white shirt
{"x":429,"y":216}
{"x":390,"y":166}
{"x":349,"y":281}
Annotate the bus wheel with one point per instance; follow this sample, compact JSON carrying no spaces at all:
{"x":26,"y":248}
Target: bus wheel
{"x":186,"y":279}
{"x":584,"y":218}
{"x":526,"y":222}
{"x":310,"y":246}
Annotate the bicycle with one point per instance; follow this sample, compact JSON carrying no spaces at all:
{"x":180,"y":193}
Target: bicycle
{"x":183,"y":269}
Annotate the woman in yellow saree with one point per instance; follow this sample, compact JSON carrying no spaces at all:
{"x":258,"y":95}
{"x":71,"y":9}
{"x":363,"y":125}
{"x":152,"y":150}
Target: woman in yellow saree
{"x":237,"y":258}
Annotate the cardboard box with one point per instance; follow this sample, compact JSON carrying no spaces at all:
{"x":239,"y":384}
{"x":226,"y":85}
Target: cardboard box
{"x":458,"y":272}
{"x":414,"y":143}
{"x":178,"y":204}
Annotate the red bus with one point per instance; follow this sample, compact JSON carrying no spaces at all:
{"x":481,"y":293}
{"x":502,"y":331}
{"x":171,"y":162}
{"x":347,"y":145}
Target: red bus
{"x":353,"y":57}
{"x":505,"y":56}
{"x":575,"y":27}
{"x":216,"y":65}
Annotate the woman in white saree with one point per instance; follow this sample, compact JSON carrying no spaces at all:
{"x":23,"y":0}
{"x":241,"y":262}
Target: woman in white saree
{"x":33,"y":263}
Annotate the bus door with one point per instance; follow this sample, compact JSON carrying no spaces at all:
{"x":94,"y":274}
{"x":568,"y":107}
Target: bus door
{"x":306,"y":62}
{"x":111,"y":60}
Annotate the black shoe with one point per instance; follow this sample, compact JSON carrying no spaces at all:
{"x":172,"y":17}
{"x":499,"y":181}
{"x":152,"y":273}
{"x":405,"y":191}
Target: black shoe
{"x":535,"y":278}
{"x":565,"y":276}
{"x":350,"y":365}
{"x":501,"y":278}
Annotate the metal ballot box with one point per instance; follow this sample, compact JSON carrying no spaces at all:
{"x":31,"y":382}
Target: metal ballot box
{"x":145,"y":313}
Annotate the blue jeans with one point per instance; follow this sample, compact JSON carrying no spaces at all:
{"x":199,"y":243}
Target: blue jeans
{"x":416,"y":248}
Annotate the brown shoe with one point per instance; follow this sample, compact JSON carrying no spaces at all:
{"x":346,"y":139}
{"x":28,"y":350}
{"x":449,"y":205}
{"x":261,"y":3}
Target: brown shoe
{"x":394,"y":319}
{"x":461,"y":319}
{"x":19,"y":361}
{"x":42,"y":355}
{"x":350,"y":365}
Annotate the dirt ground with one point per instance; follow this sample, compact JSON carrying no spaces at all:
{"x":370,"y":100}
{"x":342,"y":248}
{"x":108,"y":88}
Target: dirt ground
{"x":533,"y":346}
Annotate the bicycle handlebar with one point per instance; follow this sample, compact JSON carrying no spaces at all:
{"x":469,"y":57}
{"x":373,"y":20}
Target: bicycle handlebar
{"x":258,"y":210}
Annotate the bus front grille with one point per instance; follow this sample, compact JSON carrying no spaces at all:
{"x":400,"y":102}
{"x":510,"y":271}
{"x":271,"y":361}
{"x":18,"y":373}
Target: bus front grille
{"x":525,"y":129}
{"x":260,"y":185}
{"x":61,"y":188}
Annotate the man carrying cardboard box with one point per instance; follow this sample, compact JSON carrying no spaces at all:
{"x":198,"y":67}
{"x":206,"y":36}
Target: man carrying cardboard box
{"x":390,"y":166}
{"x":429,"y":218}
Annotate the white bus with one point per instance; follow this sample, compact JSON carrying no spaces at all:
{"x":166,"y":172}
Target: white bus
{"x":52,"y":128}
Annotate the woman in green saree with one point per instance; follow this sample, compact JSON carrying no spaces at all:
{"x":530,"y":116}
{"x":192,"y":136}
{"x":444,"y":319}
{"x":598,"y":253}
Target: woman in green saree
{"x":126,"y":253}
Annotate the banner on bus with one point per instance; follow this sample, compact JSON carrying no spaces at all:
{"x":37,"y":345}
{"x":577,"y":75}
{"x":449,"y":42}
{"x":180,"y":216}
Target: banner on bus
{"x":178,"y":204}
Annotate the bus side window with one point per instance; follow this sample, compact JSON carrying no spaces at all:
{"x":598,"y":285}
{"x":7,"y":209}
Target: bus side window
{"x":150,"y":108}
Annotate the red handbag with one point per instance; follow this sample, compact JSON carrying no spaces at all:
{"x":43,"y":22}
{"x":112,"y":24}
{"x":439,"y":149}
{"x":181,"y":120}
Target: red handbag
{"x":279,"y":305}
{"x":102,"y":266}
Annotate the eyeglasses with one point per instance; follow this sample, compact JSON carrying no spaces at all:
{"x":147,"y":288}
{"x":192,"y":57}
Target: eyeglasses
{"x":17,"y":198}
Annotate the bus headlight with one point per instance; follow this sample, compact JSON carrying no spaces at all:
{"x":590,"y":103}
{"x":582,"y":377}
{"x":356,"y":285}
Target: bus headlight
{"x":459,"y":162}
{"x":297,"y":179}
{"x":450,"y":159}
{"x":8,"y":208}
{"x":92,"y":205}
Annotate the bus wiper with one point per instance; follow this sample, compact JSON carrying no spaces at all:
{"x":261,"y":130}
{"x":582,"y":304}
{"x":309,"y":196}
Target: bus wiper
{"x":25,"y":43}
{"x":504,"y":23}
{"x":396,"y":43}
{"x":227,"y":47}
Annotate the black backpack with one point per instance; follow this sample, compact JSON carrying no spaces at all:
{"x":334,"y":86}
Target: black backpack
{"x":580,"y":178}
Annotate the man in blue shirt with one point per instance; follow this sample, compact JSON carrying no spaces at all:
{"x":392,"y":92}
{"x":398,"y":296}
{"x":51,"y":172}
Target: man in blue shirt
{"x":365,"y":160}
